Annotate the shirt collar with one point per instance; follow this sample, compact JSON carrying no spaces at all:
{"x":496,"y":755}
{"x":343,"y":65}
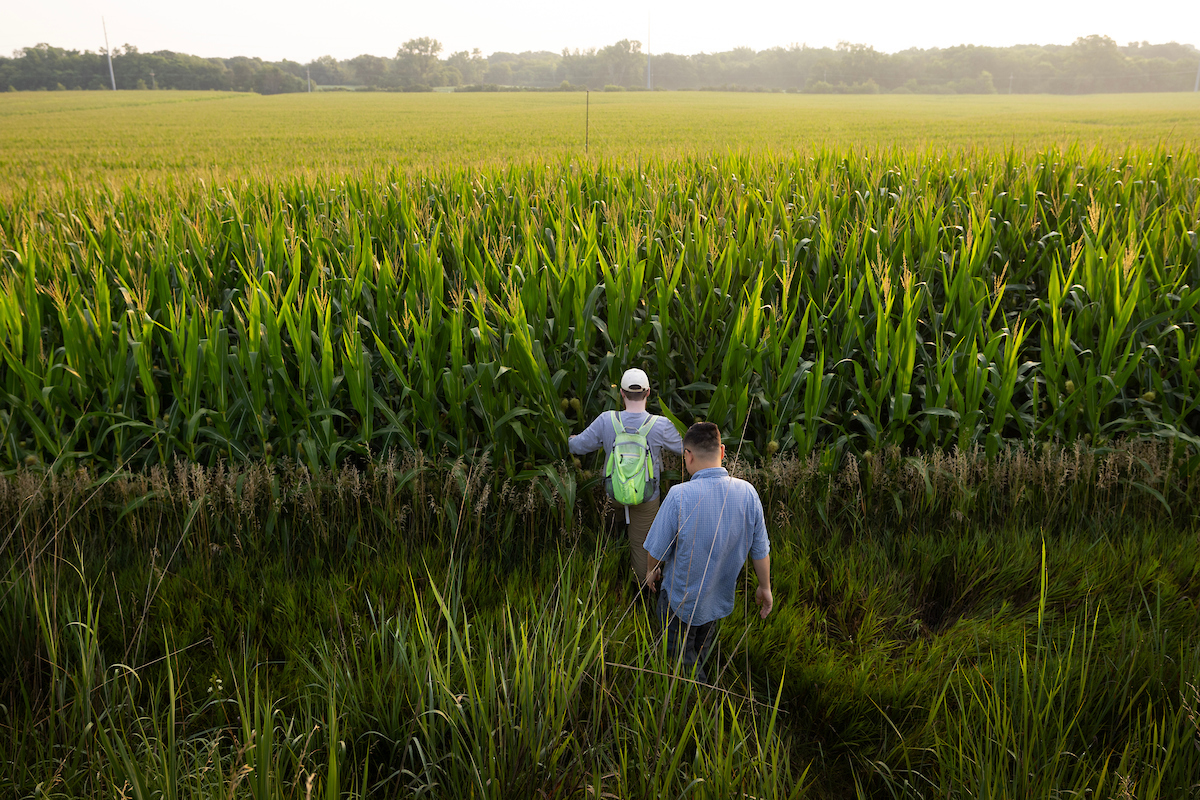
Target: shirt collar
{"x":711,"y":472}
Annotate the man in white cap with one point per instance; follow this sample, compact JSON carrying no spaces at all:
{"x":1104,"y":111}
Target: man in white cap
{"x":636,"y":424}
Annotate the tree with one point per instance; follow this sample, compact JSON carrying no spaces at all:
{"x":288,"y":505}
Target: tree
{"x":674,"y":71}
{"x":470,"y":66}
{"x":860,"y":62}
{"x":241,"y":73}
{"x":623,"y":62}
{"x":417,"y":58}
{"x":328,"y":71}
{"x":272,"y":80}
{"x":499,"y":74}
{"x":1098,"y":64}
{"x":368,"y":69}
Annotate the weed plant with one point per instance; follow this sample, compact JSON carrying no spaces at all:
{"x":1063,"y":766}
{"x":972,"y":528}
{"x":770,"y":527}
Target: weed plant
{"x":211,"y":515}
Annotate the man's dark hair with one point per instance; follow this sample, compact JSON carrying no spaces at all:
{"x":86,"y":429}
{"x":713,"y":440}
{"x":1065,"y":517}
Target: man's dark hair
{"x":642,"y":395}
{"x":703,"y":439}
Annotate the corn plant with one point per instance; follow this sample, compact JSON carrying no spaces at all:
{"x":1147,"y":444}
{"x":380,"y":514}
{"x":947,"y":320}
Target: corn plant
{"x":840,"y":302}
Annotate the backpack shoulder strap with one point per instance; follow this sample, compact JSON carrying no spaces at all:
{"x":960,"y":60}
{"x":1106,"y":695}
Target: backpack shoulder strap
{"x":616,"y":422}
{"x":648,"y":426}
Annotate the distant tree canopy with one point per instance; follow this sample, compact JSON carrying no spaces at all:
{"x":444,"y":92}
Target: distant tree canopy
{"x":1091,"y":64}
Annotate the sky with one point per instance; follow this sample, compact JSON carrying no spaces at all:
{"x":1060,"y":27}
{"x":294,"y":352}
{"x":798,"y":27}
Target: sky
{"x":302,"y":30}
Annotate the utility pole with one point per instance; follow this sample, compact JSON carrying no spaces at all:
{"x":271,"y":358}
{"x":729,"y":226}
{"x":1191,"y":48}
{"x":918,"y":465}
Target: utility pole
{"x":112,"y":76}
{"x":1196,"y":88}
{"x":153,"y":83}
{"x":308,"y":74}
{"x":649,"y":68}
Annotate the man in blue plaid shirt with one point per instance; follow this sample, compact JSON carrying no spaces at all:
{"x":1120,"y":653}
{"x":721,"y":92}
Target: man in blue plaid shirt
{"x":698,"y":545}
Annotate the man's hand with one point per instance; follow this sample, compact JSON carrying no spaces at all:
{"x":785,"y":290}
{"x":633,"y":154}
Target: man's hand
{"x":762,"y":570}
{"x":765,"y":600}
{"x":653,"y":576}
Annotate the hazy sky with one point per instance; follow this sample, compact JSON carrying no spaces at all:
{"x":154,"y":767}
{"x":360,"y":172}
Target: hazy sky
{"x":304,"y":29}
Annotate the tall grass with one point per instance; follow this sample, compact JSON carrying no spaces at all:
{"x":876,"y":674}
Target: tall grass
{"x":901,"y":660}
{"x":206,"y":516}
{"x":1066,"y":714}
{"x":427,"y":699}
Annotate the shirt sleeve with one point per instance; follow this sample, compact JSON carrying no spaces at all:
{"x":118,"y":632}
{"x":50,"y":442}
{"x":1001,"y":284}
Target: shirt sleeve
{"x":661,"y":535}
{"x":591,"y":439}
{"x":760,"y":545}
{"x":668,"y":436}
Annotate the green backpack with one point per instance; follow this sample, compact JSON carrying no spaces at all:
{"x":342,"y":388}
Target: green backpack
{"x":629,"y":472}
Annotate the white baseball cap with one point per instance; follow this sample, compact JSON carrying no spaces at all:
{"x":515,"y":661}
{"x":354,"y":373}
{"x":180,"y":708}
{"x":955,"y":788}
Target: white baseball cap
{"x":635,"y":380}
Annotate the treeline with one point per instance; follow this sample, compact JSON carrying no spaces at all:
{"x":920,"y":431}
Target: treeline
{"x":1091,"y":64}
{"x":50,"y":68}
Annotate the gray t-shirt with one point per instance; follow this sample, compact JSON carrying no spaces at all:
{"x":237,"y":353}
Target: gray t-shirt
{"x":602,"y":434}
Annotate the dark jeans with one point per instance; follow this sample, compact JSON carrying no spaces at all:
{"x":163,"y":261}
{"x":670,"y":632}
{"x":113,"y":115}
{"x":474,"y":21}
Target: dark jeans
{"x":697,"y":640}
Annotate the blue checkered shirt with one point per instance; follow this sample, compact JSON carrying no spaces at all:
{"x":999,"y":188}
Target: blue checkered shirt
{"x":703,"y":532}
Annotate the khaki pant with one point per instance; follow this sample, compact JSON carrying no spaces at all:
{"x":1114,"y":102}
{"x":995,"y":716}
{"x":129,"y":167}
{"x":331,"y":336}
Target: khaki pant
{"x":640,"y":519}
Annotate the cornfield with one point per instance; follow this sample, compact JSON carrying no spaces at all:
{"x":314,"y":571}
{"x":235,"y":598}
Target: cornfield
{"x":822,"y":303}
{"x":283,"y":445}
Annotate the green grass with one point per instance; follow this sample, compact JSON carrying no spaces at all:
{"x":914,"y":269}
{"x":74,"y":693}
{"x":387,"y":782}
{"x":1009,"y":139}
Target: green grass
{"x":47,"y":139}
{"x":1005,"y":663}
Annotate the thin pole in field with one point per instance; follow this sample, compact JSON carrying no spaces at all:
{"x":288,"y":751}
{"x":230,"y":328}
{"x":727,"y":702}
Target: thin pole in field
{"x":649,"y":67}
{"x":1196,"y":88}
{"x":587,"y":117}
{"x":108,"y":51}
{"x":308,"y":75}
